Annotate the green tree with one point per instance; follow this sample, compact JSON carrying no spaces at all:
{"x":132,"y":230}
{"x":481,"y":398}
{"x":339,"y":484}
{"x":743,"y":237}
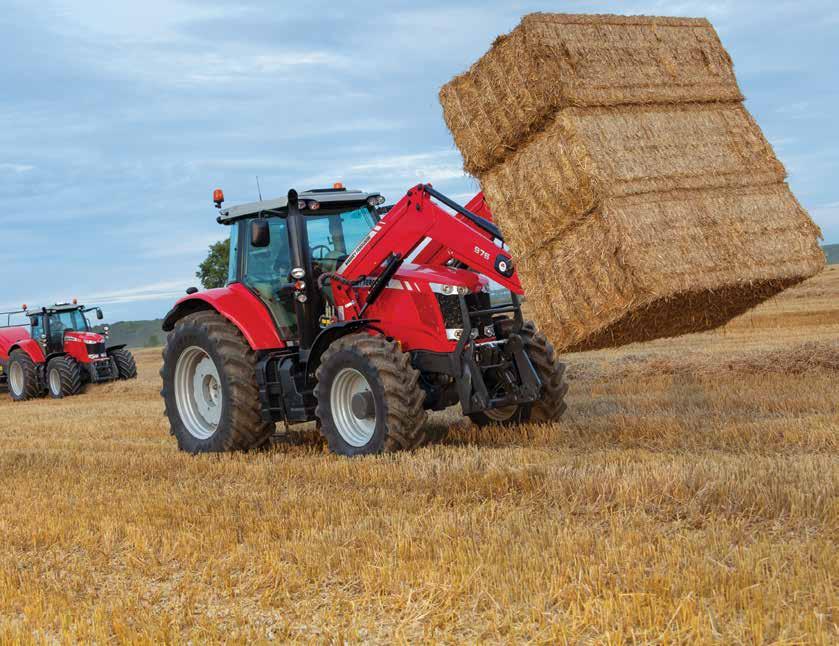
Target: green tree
{"x":213,"y":271}
{"x":153,"y":341}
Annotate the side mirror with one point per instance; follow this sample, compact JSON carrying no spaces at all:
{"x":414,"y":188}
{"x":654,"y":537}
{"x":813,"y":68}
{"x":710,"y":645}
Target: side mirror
{"x":99,"y":314}
{"x":260,"y":233}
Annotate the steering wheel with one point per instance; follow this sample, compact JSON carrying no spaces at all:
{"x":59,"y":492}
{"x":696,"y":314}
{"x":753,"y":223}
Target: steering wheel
{"x":323,"y":255}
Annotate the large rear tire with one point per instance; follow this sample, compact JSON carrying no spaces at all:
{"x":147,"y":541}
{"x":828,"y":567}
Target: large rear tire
{"x":126,"y":366}
{"x":209,"y":387}
{"x":551,"y":404}
{"x":24,"y":382}
{"x":369,"y":399}
{"x":64,"y":378}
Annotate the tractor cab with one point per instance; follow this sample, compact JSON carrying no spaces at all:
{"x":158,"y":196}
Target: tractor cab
{"x":266,"y":247}
{"x":50,"y":326}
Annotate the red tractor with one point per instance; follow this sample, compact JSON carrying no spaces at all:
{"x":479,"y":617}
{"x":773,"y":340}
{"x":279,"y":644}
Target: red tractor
{"x":57,"y":353}
{"x":359,"y":317}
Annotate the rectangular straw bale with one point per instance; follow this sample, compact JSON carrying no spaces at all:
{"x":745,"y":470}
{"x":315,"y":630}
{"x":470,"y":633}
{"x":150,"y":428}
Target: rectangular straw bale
{"x":664,"y":264}
{"x":587,"y":155}
{"x":552,"y":61}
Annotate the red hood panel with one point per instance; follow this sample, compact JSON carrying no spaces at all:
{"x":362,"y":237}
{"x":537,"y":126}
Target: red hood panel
{"x":443,"y":275}
{"x":84,"y":336}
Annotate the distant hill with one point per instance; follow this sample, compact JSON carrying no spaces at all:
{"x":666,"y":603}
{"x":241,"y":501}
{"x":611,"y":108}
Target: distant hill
{"x":136,"y":334}
{"x":832,"y":253}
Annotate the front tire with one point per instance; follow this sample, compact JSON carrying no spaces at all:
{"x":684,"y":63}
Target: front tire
{"x":23,"y":377}
{"x":368,"y":397}
{"x":551,"y":404}
{"x":126,"y":366}
{"x":507,"y":416}
{"x":64,"y":378}
{"x":209,"y":387}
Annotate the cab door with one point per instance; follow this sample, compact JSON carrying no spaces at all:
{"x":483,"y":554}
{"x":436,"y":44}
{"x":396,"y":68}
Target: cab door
{"x":265,"y":270}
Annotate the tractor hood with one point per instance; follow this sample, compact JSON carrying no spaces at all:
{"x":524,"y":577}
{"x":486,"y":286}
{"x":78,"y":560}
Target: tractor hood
{"x":441,"y":276}
{"x":84,"y":337}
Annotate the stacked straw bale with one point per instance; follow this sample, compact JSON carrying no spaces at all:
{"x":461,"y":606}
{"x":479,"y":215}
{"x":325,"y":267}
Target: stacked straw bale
{"x":640,"y":197}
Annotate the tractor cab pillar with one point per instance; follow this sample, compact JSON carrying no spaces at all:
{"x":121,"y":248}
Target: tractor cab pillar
{"x":307,"y":301}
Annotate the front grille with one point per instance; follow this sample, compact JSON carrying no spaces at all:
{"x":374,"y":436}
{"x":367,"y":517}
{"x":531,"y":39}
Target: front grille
{"x":479,"y":301}
{"x":95,"y":348}
{"x":453,"y":318}
{"x":450,"y":309}
{"x":104,"y":370}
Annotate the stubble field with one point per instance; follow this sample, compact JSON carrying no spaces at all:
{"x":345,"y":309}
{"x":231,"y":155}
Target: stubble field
{"x":691,"y":494}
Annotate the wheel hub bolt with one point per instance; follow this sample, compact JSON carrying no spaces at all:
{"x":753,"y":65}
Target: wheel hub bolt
{"x":363,"y":406}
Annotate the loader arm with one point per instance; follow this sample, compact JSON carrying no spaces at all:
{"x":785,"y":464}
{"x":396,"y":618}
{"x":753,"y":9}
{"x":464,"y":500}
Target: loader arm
{"x":416,"y":222}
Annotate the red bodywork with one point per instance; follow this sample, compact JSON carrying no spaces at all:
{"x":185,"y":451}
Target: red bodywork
{"x":15,"y":338}
{"x":408,"y":309}
{"x":424,"y":234}
{"x":75,"y":346}
{"x":238,"y":304}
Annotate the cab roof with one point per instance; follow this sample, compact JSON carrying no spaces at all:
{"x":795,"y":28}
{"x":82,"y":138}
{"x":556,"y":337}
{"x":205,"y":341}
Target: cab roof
{"x":329,"y":198}
{"x":58,"y":307}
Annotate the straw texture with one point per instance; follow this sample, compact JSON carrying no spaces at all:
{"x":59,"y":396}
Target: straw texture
{"x":588,"y":154}
{"x":662,"y":264}
{"x":638,"y":195}
{"x":551,"y":61}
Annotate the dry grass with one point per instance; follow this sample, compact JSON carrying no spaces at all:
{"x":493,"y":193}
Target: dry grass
{"x":692,"y":494}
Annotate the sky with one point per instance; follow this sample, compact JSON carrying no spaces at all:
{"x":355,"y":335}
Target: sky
{"x":118,"y":119}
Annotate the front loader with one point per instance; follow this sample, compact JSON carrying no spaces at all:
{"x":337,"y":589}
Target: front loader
{"x":359,"y":317}
{"x":58,"y":353}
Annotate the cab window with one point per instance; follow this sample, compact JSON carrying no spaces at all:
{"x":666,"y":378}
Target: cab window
{"x":37,"y":327}
{"x":333,"y":237}
{"x":233,"y":261}
{"x":266,"y":270}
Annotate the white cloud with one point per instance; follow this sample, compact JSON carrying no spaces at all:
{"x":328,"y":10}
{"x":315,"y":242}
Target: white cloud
{"x":432,"y":166}
{"x":150,"y":292}
{"x":15,"y":169}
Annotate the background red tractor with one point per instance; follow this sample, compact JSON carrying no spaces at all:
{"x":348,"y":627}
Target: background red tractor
{"x":58,"y":353}
{"x":359,"y":317}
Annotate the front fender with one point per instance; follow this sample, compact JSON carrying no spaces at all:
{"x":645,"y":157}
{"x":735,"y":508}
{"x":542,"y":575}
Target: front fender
{"x":329,"y":335}
{"x":239,"y":306}
{"x":110,"y":348}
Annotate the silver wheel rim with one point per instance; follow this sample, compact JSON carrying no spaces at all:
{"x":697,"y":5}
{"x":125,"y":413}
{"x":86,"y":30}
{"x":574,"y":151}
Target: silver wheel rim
{"x":501,"y":414}
{"x":16,"y":379}
{"x":198,"y":392}
{"x":55,"y":382}
{"x":355,"y":431}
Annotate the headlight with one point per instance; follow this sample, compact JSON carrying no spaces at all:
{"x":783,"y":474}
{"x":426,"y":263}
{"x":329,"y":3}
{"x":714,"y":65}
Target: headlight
{"x":297,"y":273}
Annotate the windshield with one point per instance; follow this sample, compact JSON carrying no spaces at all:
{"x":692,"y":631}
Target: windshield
{"x":332,"y":237}
{"x":69,"y":320}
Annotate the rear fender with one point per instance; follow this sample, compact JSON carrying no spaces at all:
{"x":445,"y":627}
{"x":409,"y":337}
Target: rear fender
{"x":32,"y":348}
{"x":239,"y":306}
